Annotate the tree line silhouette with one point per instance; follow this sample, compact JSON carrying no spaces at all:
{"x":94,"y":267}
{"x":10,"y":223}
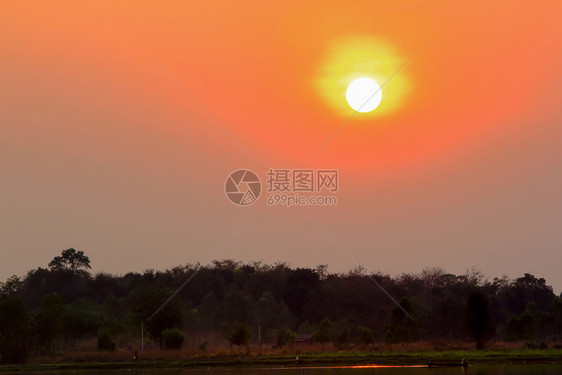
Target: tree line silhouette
{"x":242,"y":303}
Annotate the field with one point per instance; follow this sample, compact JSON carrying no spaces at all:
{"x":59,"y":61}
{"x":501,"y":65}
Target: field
{"x":415,"y":354}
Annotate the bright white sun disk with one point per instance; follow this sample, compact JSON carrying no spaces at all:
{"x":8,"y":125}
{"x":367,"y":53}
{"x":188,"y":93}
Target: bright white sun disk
{"x":363,"y":95}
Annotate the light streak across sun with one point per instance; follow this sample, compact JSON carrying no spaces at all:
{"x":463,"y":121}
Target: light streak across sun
{"x":362,"y":59}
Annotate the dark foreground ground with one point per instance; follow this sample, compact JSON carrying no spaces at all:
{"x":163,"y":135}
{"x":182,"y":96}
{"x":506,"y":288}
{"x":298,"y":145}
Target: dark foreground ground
{"x":345,"y":358}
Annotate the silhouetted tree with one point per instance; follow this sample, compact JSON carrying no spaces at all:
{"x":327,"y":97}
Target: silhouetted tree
{"x":364,"y":336}
{"x":74,"y":325}
{"x":144,"y":300}
{"x":521,"y":327}
{"x":300,"y":284}
{"x":239,"y":335}
{"x":70,"y":259}
{"x":340,"y":333}
{"x":401,"y":327}
{"x":279,"y":297}
{"x":15,"y":330}
{"x":284,"y":336}
{"x":173,"y":339}
{"x":478,"y":319}
{"x":104,"y":341}
{"x":324,"y":332}
{"x":49,"y":320}
{"x":556,"y":309}
{"x":11,"y":287}
{"x":525,"y":289}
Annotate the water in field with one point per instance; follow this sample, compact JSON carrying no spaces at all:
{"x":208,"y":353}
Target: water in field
{"x":519,"y":369}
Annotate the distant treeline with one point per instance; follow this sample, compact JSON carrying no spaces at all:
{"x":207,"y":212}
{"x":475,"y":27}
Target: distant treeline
{"x":228,"y":301}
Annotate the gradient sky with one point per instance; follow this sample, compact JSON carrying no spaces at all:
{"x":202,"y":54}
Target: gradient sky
{"x":101,"y":151}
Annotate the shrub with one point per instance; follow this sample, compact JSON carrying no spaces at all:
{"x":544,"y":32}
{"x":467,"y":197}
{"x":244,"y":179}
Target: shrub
{"x":173,"y":339}
{"x":104,"y":341}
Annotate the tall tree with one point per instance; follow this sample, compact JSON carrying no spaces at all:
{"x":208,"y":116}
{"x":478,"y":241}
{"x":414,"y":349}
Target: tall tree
{"x":15,"y":330}
{"x":70,"y":259}
{"x":478,"y":319}
{"x":300,"y":284}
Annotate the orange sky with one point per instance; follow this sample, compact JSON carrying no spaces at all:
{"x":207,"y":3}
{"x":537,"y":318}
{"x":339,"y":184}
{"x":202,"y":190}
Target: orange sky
{"x":101,"y":151}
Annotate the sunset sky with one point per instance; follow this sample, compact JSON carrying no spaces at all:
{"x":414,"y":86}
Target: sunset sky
{"x":459,"y":167}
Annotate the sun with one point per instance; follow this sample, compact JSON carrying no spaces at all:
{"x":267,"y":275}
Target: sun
{"x":363,"y":95}
{"x":354,"y":67}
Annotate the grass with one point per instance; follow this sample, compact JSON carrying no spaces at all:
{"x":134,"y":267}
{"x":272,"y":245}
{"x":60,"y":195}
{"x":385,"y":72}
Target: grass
{"x":191,"y":359}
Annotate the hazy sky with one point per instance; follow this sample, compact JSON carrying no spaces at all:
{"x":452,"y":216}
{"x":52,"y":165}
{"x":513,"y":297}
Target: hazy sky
{"x":460,"y":166}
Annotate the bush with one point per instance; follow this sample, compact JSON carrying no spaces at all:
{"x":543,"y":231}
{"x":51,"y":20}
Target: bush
{"x":105,"y":342}
{"x":172,"y":339}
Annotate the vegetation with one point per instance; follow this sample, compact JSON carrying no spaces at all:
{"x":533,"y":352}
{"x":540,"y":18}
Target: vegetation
{"x":479,"y":319}
{"x":239,"y":335}
{"x":15,"y":331}
{"x":173,"y":339}
{"x":285,"y":336}
{"x":521,"y":327}
{"x":402,"y":327}
{"x":72,"y":260}
{"x":144,"y":300}
{"x":105,"y":342}
{"x":364,"y":336}
{"x":65,"y":306}
{"x":323,"y":334}
{"x":49,"y":321}
{"x":177,"y":359}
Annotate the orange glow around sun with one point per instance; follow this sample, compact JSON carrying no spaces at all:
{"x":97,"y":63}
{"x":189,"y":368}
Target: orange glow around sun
{"x":278,"y":84}
{"x":350,"y":58}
